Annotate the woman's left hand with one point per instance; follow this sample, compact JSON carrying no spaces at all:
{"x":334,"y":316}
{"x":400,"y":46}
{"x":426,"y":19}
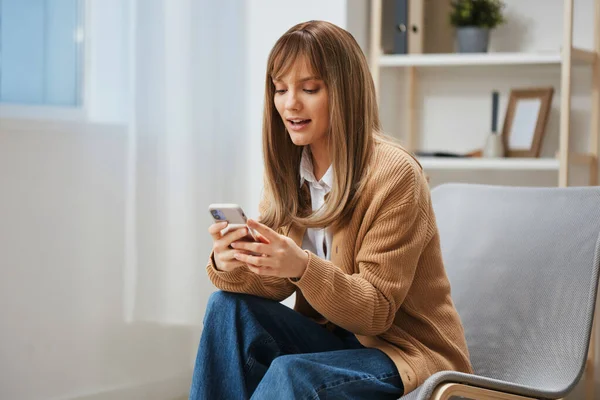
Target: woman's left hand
{"x":280,"y":256}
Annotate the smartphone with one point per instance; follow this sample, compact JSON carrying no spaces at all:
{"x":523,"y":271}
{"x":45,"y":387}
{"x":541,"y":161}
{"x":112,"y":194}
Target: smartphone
{"x":235,"y":216}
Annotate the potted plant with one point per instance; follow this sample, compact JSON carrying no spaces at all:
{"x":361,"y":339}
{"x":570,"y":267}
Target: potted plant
{"x":473,"y":20}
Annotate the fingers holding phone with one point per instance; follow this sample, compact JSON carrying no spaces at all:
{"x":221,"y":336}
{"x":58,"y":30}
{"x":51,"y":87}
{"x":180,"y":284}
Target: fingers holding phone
{"x":223,"y":252}
{"x":230,"y":226}
{"x":215,"y":230}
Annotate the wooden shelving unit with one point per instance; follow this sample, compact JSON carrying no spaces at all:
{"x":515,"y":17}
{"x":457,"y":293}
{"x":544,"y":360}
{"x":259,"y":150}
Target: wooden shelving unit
{"x":565,"y":60}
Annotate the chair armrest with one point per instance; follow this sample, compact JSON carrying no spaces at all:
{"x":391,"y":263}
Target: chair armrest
{"x":425,"y":391}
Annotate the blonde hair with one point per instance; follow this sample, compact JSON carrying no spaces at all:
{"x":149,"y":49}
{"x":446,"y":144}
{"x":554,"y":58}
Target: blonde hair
{"x":336,"y":58}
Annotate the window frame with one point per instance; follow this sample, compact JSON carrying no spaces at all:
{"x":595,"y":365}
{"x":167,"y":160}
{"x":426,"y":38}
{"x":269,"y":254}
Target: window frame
{"x":77,"y":113}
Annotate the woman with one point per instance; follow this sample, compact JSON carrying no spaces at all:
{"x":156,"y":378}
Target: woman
{"x":347,"y":225}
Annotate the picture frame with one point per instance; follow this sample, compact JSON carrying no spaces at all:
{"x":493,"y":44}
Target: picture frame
{"x":525,"y":121}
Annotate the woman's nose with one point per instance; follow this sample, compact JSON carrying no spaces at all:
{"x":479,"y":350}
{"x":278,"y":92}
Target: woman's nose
{"x":292,"y":102}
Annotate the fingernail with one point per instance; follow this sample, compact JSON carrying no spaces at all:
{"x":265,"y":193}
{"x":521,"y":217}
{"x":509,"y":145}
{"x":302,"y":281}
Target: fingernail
{"x":236,"y":255}
{"x":234,"y":244}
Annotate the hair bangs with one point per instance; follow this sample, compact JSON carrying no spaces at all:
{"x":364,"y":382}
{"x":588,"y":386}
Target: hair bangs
{"x":298,"y":46}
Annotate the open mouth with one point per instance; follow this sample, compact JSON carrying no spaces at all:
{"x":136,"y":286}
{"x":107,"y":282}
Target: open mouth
{"x":299,"y":123}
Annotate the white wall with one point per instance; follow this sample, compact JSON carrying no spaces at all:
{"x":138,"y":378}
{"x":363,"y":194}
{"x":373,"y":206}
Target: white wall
{"x":61,"y":260}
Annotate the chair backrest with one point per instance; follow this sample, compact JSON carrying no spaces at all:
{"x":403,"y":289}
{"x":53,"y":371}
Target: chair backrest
{"x":523,"y":265}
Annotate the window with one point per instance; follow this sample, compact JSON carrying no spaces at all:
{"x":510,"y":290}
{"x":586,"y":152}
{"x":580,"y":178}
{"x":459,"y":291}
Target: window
{"x":41,"y":52}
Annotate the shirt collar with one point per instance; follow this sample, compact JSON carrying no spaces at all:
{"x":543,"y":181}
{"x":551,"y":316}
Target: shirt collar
{"x":307,"y":172}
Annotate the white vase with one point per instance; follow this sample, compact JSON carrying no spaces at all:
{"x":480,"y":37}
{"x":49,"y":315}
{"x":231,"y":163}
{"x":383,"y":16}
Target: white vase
{"x":494,"y":146}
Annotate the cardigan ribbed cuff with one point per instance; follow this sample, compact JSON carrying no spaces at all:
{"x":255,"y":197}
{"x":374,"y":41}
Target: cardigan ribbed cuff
{"x":317,"y":273}
{"x":235,"y":276}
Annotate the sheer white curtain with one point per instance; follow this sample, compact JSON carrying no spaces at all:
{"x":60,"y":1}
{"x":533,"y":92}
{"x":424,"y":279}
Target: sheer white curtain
{"x":185,"y":145}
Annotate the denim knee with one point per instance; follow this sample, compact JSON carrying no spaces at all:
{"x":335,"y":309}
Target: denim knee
{"x":285,"y":364}
{"x":290,"y":362}
{"x":222,"y":301}
{"x":218,"y":302}
{"x":288,"y":374}
{"x":220,"y":297}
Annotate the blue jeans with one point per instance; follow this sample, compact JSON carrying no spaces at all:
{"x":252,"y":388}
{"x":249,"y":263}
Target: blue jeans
{"x":257,"y":348}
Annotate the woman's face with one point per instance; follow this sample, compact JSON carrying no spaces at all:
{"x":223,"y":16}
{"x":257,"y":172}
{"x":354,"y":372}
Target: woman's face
{"x":303,"y":103}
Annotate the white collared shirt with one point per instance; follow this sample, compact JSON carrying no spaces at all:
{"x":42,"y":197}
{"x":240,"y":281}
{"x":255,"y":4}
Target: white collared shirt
{"x":316,"y":240}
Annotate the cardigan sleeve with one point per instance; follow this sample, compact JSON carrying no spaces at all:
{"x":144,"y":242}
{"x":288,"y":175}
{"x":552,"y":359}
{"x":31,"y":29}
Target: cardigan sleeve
{"x":242,"y":280}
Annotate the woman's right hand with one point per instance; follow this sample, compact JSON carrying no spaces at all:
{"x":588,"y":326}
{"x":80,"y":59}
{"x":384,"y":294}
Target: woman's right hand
{"x":223,"y":253}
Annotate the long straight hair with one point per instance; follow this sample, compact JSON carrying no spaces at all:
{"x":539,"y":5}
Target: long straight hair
{"x":335,"y":57}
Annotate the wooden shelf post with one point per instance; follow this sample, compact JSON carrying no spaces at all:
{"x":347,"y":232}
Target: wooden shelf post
{"x":375,"y":50}
{"x":595,"y":113}
{"x":565,"y":93}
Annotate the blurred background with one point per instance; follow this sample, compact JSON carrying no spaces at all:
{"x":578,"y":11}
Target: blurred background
{"x":122,"y":120}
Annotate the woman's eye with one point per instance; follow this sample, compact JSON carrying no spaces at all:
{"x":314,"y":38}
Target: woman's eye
{"x":309,"y":91}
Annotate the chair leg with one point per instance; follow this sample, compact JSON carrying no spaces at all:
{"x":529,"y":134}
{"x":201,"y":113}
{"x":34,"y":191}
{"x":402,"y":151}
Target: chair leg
{"x":447,"y":390}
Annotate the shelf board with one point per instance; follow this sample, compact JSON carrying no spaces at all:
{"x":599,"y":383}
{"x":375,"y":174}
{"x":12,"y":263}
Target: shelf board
{"x":475,"y":59}
{"x":515,"y":164}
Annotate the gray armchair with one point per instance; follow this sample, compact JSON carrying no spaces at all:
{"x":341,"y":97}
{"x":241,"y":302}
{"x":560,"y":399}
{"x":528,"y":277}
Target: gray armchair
{"x":523,"y":264}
